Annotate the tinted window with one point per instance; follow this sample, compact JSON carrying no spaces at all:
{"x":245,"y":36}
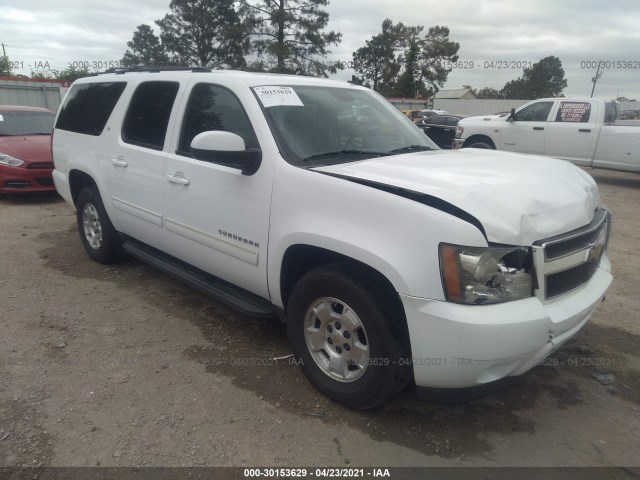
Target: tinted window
{"x":574,"y":112}
{"x":452,"y":121}
{"x":536,"y":112}
{"x":214,"y":108}
{"x":148,"y":114}
{"x":26,"y":123}
{"x":88,"y":106}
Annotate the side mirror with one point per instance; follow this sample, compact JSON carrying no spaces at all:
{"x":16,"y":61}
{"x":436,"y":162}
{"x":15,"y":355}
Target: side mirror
{"x":512,"y":115}
{"x":228,"y":149}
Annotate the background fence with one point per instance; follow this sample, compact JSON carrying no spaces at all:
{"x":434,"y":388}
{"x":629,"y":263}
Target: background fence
{"x":32,"y":93}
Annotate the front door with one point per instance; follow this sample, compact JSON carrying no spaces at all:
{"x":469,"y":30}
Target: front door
{"x":527,"y":131}
{"x":216,"y":218}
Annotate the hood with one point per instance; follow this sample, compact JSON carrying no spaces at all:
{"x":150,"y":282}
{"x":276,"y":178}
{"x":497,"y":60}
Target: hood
{"x":30,"y":148}
{"x":518,"y":199}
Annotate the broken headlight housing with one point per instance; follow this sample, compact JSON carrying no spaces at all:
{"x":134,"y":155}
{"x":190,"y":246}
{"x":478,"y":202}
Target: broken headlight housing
{"x":485,"y":275}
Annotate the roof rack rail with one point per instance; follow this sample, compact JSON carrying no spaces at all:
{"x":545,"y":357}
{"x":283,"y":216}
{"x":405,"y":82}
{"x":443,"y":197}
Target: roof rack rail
{"x":120,"y":71}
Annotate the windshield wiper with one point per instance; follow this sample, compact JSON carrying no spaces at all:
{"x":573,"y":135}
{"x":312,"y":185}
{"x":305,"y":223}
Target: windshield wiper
{"x":411,"y":148}
{"x":338,"y":153}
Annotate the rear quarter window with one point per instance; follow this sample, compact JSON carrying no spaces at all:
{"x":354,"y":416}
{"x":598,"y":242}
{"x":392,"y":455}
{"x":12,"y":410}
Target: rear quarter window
{"x":88,"y":106}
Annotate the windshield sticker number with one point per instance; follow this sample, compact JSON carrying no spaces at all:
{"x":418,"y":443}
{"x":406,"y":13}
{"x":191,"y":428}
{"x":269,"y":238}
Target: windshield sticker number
{"x":277,"y":96}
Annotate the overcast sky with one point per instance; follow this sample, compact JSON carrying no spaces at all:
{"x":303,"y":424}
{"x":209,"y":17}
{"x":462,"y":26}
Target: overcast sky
{"x":41,"y":33}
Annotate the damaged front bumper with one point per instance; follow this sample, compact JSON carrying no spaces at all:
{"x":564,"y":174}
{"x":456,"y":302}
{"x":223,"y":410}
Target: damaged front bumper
{"x":460,"y":346}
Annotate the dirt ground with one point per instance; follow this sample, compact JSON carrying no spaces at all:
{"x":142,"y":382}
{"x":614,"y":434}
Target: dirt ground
{"x":125,"y":366}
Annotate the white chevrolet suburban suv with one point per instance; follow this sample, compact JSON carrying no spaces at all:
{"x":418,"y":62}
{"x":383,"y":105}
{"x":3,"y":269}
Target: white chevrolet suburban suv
{"x":318,"y":201}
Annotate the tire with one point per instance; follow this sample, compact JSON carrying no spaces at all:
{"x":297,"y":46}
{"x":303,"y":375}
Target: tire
{"x":481,"y":145}
{"x":99,"y":239}
{"x":349,"y":335}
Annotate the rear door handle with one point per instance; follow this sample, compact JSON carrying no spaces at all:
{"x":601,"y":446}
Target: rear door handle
{"x":178,"y":178}
{"x":119,"y":161}
{"x":585,"y":130}
{"x":538,"y":128}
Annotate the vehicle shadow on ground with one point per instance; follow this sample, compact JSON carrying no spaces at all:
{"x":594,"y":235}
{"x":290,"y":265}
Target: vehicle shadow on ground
{"x":32,"y":198}
{"x":623,"y":180}
{"x":256,"y":356}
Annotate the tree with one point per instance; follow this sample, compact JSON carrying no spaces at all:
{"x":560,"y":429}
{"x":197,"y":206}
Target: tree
{"x":207,"y":33}
{"x":5,"y":66}
{"x":484,"y":93}
{"x":487,"y":93}
{"x":409,"y":83}
{"x":376,"y":60}
{"x":291,"y":35}
{"x":437,"y":51}
{"x":146,"y":49}
{"x":543,"y":79}
{"x":401,"y":61}
{"x":69,"y":74}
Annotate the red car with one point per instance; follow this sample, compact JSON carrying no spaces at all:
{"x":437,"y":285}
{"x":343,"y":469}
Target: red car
{"x":25,"y":149}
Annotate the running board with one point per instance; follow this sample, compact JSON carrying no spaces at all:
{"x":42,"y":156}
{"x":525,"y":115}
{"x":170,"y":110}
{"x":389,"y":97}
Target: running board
{"x":246,"y":302}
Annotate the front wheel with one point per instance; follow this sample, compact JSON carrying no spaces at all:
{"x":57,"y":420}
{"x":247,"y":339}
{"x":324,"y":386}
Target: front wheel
{"x":349,"y":335}
{"x":99,"y":239}
{"x":481,"y":144}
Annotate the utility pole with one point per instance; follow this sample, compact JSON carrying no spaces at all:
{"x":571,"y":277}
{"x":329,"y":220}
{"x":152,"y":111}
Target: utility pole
{"x":596,"y":78}
{"x":6,"y":60}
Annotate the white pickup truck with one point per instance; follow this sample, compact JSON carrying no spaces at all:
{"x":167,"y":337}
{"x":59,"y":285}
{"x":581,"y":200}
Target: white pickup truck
{"x":317,"y":201}
{"x":585,"y":131}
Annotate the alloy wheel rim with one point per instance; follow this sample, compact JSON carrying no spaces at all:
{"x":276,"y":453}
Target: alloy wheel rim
{"x":336,"y":339}
{"x":92,"y":226}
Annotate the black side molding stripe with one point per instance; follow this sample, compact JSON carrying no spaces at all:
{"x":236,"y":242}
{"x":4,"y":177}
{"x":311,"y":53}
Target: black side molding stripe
{"x":423,"y":198}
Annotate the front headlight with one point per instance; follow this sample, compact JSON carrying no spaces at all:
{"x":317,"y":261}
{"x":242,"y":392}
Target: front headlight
{"x":484,"y":275}
{"x":459,"y":131}
{"x":6,"y":159}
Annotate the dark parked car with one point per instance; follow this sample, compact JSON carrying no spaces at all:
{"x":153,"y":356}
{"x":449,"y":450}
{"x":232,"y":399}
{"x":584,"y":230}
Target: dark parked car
{"x":441,"y":129}
{"x":25,"y":149}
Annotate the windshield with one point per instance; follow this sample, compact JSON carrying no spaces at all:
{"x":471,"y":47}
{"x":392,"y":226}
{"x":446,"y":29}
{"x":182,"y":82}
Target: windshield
{"x":328,"y":125}
{"x":26,"y":123}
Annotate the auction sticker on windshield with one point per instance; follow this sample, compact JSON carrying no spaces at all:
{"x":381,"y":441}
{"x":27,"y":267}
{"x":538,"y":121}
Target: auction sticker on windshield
{"x":276,"y":96}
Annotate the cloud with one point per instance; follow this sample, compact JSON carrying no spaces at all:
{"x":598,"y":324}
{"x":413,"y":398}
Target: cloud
{"x":577,"y":31}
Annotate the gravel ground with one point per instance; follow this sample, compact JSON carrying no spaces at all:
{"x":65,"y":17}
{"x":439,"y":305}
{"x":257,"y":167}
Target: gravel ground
{"x":125,"y":366}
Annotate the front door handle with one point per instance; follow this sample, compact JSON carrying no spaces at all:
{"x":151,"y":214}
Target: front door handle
{"x":584,"y":130}
{"x":538,"y":128}
{"x":178,"y":178}
{"x":119,"y":161}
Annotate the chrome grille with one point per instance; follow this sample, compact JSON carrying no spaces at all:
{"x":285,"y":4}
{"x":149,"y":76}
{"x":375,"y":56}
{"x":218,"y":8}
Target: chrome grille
{"x":568,"y":261}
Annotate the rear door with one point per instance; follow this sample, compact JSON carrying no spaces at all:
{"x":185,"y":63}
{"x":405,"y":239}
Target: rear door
{"x":136,"y":164}
{"x":572,"y":132}
{"x":527,"y":131}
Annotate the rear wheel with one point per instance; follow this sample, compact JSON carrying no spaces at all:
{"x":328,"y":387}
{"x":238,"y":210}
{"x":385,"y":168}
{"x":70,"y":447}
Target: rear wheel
{"x":350,"y":335}
{"x":99,"y":239}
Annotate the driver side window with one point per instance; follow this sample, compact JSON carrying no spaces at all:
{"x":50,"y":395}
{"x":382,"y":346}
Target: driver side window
{"x":212,"y":107}
{"x":536,"y":112}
